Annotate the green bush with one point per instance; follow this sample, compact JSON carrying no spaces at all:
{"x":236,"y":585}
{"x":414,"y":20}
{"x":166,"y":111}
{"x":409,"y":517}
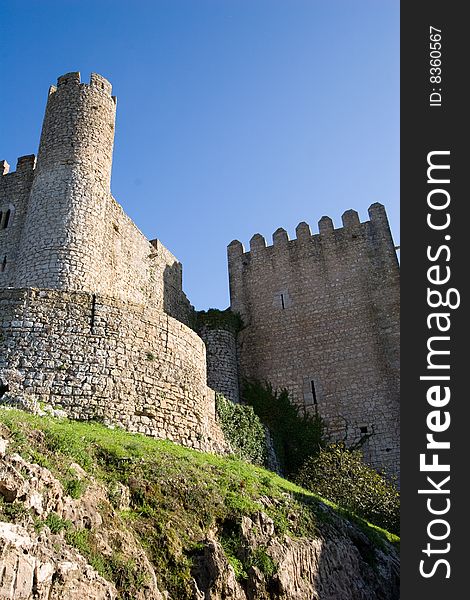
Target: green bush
{"x":295,"y":436}
{"x":74,"y":487}
{"x":341,"y":475}
{"x":56,"y":524}
{"x":243,"y":430}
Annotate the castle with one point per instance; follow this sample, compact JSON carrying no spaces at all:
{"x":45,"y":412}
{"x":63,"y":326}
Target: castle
{"x":94,"y":318}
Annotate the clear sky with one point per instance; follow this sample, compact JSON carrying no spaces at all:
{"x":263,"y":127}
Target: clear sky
{"x":234,"y":116}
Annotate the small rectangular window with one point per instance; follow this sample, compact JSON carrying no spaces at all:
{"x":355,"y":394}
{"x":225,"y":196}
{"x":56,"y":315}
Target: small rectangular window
{"x":314,"y":393}
{"x":282,"y":299}
{"x":311,"y":389}
{"x":6,"y":220}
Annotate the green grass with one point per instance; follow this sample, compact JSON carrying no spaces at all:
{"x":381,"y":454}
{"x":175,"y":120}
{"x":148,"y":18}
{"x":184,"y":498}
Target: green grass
{"x":176,"y":496}
{"x":55,"y":523}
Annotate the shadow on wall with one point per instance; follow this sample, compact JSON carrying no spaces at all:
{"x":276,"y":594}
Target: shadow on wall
{"x":4,"y":388}
{"x":175,"y":302}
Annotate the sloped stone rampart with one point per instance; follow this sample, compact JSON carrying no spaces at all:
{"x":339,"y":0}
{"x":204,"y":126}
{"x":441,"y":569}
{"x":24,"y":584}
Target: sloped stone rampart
{"x":102,"y":358}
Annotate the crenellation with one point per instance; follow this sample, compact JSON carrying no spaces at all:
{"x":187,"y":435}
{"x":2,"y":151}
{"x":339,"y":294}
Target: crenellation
{"x":68,"y":79}
{"x":341,"y":237}
{"x":303,"y":232}
{"x":325,"y":226}
{"x":235,"y":249}
{"x":26,"y":163}
{"x":324,"y":316}
{"x":350,"y":218}
{"x":257,"y":243}
{"x":101,"y":83}
{"x":280,"y":238}
{"x":377,"y":214}
{"x":381,"y":236}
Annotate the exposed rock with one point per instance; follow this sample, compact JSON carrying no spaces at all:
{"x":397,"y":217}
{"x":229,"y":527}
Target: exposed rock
{"x":3,"y":447}
{"x":215,"y":576}
{"x":340,"y":563}
{"x":319,"y":569}
{"x":44,"y":568}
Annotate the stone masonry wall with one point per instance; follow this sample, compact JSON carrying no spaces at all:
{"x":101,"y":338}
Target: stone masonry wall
{"x":322,"y":320}
{"x":15,"y":188}
{"x":102,"y":358}
{"x":61,"y":245}
{"x":66,"y":230}
{"x":222,"y":368}
{"x":138,"y":270}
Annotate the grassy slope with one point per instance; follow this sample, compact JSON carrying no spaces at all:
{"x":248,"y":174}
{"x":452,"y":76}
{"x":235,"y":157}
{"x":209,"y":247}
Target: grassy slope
{"x":177,"y":494}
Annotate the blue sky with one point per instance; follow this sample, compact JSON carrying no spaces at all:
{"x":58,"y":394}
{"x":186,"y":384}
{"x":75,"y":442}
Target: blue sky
{"x":234,"y":116}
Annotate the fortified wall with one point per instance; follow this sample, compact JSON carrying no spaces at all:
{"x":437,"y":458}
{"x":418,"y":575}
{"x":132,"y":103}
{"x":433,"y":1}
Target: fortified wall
{"x":93,"y":315}
{"x":222,"y":363}
{"x":321,"y":316}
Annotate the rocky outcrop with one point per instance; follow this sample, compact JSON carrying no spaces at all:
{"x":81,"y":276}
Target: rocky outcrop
{"x":44,"y":568}
{"x":332,"y":567}
{"x":36,"y":563}
{"x":55,"y":546}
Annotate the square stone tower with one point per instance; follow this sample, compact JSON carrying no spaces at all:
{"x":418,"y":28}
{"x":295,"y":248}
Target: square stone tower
{"x":322,"y":320}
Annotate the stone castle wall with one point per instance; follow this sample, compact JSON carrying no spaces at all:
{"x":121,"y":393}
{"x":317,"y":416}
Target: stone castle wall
{"x":102,"y":358}
{"x":222,"y":367}
{"x":61,"y":244}
{"x":66,"y":231}
{"x":93,"y":315}
{"x":15,"y":188}
{"x":322,"y":320}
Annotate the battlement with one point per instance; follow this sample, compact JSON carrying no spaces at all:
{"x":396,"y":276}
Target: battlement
{"x":73,"y":80}
{"x":351,"y":228}
{"x":24,"y":164}
{"x":321,"y":320}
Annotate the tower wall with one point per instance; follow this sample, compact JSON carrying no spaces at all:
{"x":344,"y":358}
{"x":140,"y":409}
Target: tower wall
{"x":15,"y":188}
{"x":66,"y":230}
{"x":222,"y":367}
{"x":62,"y":240}
{"x":322,"y":320}
{"x":92,"y":312}
{"x":102,"y":358}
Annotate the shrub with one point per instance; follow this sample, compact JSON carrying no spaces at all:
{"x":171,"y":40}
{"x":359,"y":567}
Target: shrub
{"x":295,"y":436}
{"x":340,"y":475}
{"x":55,"y":523}
{"x":243,"y":430}
{"x":74,"y":487}
{"x":12,"y":512}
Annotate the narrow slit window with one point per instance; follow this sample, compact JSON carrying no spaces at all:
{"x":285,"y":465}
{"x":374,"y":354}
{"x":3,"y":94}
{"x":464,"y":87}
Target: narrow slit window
{"x":7,"y":219}
{"x":314,"y":393}
{"x":3,"y":264}
{"x":1,"y":217}
{"x":282,"y":301}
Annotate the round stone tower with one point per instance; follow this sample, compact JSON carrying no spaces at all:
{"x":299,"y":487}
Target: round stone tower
{"x":62,"y":242}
